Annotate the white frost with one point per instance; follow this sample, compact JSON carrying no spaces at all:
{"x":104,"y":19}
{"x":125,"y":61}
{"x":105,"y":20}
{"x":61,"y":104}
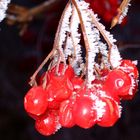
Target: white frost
{"x":3,"y":8}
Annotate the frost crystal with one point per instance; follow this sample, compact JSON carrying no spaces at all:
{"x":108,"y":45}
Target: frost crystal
{"x":65,"y":25}
{"x":100,"y":107}
{"x":115,"y":56}
{"x":124,"y":12}
{"x":78,"y":61}
{"x":3,"y":8}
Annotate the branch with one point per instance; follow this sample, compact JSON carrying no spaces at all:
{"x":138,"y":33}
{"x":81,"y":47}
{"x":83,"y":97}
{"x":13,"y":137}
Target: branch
{"x":55,"y":47}
{"x":122,"y":11}
{"x":22,"y":15}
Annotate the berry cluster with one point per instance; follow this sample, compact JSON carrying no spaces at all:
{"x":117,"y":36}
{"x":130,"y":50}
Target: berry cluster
{"x":62,"y":98}
{"x":85,"y":80}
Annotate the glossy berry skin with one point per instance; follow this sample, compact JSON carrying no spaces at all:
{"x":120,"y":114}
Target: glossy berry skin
{"x":118,"y":83}
{"x":59,"y":86}
{"x":83,"y":112}
{"x":36,"y":101}
{"x":111,"y":112}
{"x":65,"y":114}
{"x":129,"y":67}
{"x":46,"y":125}
{"x":59,"y":90}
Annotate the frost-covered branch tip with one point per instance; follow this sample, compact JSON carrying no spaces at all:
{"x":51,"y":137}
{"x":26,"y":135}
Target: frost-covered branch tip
{"x":122,"y":12}
{"x":3,"y":8}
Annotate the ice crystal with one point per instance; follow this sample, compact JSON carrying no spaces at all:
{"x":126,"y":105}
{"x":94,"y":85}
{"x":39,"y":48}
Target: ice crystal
{"x":3,"y":8}
{"x":124,"y":12}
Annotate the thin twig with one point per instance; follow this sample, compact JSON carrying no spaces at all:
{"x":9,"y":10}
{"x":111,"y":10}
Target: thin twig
{"x":120,"y":10}
{"x":22,"y":15}
{"x":54,"y":50}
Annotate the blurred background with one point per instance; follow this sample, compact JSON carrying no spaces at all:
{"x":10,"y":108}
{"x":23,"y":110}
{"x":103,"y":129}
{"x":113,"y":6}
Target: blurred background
{"x":22,"y":49}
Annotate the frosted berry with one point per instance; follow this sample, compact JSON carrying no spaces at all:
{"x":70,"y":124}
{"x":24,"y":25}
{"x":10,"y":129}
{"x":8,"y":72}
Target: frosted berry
{"x":59,"y":90}
{"x":83,"y":112}
{"x":111,"y":112}
{"x":36,"y":101}
{"x":129,"y":67}
{"x":46,"y":125}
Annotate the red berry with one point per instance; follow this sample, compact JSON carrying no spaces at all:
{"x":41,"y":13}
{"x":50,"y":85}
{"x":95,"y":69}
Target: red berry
{"x":129,"y":67}
{"x":118,"y":82}
{"x":59,"y":90}
{"x":36,"y":101}
{"x":65,"y":114}
{"x":46,"y":125}
{"x":83,"y":112}
{"x":111,"y":112}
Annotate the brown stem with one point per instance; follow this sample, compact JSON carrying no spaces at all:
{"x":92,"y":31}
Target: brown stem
{"x":101,"y":30}
{"x":120,"y":10}
{"x":22,"y":14}
{"x":103,"y":34}
{"x":87,"y":45}
{"x":32,"y":81}
{"x":54,"y":50}
{"x":72,"y":37}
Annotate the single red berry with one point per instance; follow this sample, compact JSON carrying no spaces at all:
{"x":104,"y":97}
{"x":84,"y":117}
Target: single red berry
{"x":59,"y":90}
{"x":36,"y":101}
{"x":118,"y":82}
{"x":46,"y":125}
{"x":65,"y":114}
{"x":110,"y":112}
{"x":83,"y":112}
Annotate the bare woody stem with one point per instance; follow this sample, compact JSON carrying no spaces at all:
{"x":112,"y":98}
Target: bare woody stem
{"x":72,"y":37}
{"x":87,"y":45}
{"x":24,"y":15}
{"x":120,"y":11}
{"x":101,"y":30}
{"x":54,"y":50}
